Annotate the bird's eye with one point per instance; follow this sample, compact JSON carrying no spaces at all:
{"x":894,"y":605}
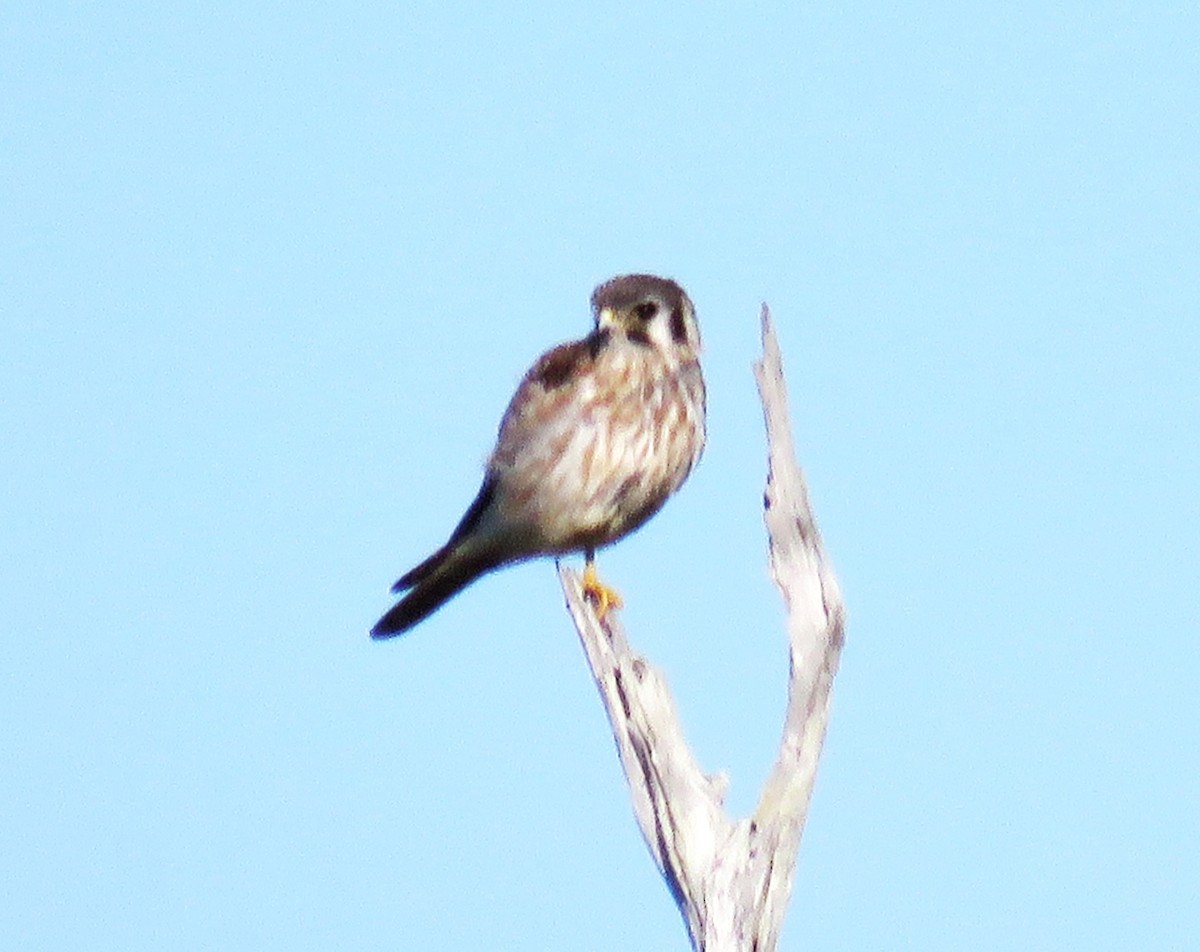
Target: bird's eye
{"x":646,"y":310}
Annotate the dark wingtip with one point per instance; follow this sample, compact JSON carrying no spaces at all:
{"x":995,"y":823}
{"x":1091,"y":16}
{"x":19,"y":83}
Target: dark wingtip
{"x":427,"y":596}
{"x":390,"y":625}
{"x":425,"y":569}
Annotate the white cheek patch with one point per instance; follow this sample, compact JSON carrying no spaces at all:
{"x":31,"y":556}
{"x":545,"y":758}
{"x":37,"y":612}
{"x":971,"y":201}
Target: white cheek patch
{"x":659,"y":328}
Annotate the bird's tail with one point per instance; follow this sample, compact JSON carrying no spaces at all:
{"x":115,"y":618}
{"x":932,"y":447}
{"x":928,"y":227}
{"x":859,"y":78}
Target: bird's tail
{"x":440,"y":577}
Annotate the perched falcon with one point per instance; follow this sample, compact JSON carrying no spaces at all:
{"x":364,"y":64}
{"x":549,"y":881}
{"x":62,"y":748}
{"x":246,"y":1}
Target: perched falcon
{"x":599,"y":433}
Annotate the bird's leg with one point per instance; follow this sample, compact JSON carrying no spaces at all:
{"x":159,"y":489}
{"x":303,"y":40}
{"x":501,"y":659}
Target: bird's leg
{"x":603,"y":597}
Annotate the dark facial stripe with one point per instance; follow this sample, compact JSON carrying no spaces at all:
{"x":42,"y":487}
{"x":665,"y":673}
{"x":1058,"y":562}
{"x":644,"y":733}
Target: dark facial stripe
{"x":678,"y":326}
{"x":597,"y":340}
{"x":638,"y":336}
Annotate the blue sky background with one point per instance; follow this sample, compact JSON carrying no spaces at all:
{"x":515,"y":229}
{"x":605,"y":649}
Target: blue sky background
{"x":268,"y":276}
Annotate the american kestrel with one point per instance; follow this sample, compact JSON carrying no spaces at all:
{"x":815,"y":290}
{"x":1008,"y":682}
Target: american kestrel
{"x":599,"y":433}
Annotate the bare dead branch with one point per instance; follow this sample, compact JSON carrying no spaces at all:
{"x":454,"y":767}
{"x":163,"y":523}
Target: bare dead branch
{"x":731,"y":878}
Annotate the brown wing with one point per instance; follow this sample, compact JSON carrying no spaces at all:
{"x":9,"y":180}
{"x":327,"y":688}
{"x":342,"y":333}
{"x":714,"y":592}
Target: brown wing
{"x":556,"y":367}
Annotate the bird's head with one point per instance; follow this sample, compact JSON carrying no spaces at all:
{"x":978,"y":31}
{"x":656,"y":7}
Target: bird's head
{"x":649,"y":311}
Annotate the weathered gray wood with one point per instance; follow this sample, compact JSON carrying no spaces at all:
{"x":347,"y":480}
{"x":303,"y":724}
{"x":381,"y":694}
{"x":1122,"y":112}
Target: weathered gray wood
{"x":731,"y":878}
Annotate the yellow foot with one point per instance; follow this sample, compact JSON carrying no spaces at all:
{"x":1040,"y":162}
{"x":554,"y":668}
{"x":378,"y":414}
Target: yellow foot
{"x":604,"y":598}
